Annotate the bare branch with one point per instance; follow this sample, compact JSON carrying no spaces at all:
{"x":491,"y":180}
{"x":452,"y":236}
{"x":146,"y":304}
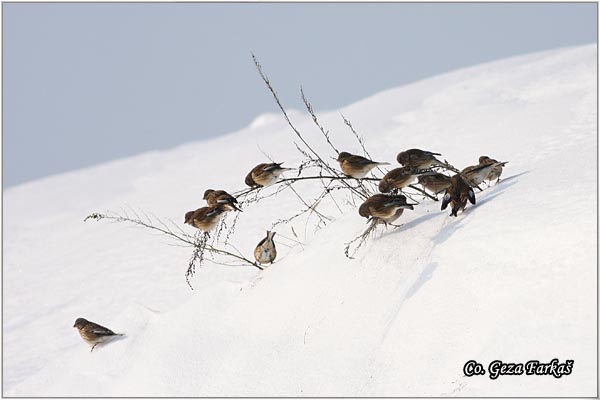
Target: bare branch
{"x":362,"y":238}
{"x":318,"y":157}
{"x":316,"y":121}
{"x":199,"y":241}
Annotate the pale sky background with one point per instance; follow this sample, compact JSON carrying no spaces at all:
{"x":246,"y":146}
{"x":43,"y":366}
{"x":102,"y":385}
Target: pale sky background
{"x":85,"y":83}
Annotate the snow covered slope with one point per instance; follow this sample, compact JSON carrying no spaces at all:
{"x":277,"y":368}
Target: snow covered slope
{"x":513,"y":278}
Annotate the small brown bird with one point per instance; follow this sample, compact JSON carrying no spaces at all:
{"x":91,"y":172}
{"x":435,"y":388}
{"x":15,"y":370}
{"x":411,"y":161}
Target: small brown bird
{"x":398,"y":178}
{"x":264,"y":174}
{"x":92,"y":333}
{"x":435,"y":182}
{"x":384,"y":208}
{"x":215,"y":197}
{"x":265,"y":251}
{"x":475,"y":174}
{"x":418,"y":159}
{"x":356,"y":166}
{"x":495,"y":172}
{"x":457,"y":195}
{"x":205,"y":218}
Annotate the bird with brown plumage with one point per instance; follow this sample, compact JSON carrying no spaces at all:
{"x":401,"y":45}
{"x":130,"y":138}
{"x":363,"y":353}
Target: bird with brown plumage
{"x":264,"y":174}
{"x":419,"y":159}
{"x":383,"y":208}
{"x":265,"y":252}
{"x":92,"y":333}
{"x":356,"y":166}
{"x":399,"y":178}
{"x":205,"y":218}
{"x":475,"y":174}
{"x":495,"y":172}
{"x":216,"y":197}
{"x":434,"y":182}
{"x":457,"y":195}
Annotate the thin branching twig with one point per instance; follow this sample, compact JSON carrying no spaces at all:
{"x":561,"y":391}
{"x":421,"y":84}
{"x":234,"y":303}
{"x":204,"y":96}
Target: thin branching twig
{"x":322,"y":162}
{"x":199,"y":242}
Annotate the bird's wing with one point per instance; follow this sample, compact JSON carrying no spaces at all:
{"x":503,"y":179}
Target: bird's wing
{"x":101,"y":331}
{"x":226,"y":200}
{"x":231,"y":198}
{"x":361,"y":160}
{"x":398,"y":173}
{"x":213,"y":212}
{"x":475,"y":168}
{"x":272,"y":166}
{"x":395,"y":202}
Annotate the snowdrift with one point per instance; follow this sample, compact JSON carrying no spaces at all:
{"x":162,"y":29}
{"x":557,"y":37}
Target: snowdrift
{"x":513,"y":278}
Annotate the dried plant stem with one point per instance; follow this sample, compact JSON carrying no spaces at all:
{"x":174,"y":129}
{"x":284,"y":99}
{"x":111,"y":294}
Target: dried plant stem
{"x":318,"y":157}
{"x":310,"y":110}
{"x":199,"y":242}
{"x":362,"y":238}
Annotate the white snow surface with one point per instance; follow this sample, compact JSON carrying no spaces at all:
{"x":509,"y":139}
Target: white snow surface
{"x":512,"y":278}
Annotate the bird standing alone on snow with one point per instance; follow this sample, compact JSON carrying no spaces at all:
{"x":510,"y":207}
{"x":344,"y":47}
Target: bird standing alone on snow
{"x":92,"y":333}
{"x":265,"y":251}
{"x":216,"y":197}
{"x":264,"y":174}
{"x":356,"y":166}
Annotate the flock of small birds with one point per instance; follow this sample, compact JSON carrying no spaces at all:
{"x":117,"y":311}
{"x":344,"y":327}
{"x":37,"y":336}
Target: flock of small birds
{"x":219,"y":201}
{"x":419,"y":164}
{"x":385,"y":207}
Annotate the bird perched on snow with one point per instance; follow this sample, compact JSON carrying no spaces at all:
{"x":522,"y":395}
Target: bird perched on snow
{"x":398,"y":178}
{"x":356,"y":166}
{"x":205,"y":218}
{"x":92,"y":333}
{"x":457,"y":195}
{"x":475,"y":174}
{"x":265,"y":251}
{"x":435,"y":182}
{"x":418,"y":159}
{"x":264,"y":174}
{"x":215,"y":197}
{"x":495,"y":172}
{"x":383,"y":208}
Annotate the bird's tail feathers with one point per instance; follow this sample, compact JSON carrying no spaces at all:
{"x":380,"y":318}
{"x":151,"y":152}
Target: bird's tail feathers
{"x":277,"y":166}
